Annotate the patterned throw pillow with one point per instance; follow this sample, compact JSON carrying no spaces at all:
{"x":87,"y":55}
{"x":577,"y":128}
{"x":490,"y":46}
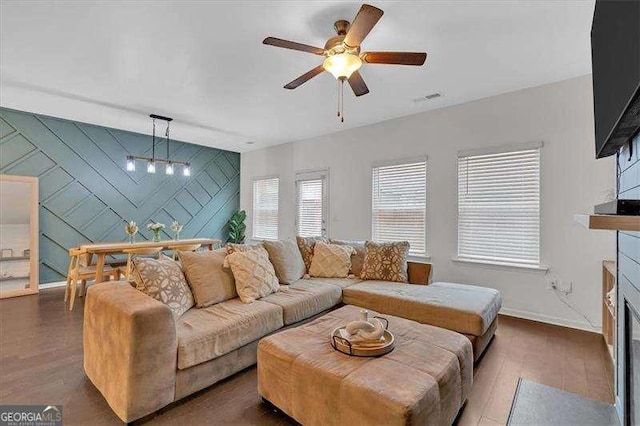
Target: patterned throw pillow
{"x":163,"y":280}
{"x":233,"y":248}
{"x":331,"y":260}
{"x":357,"y":260}
{"x":254,"y":274}
{"x":386,"y":261}
{"x":306,"y":244}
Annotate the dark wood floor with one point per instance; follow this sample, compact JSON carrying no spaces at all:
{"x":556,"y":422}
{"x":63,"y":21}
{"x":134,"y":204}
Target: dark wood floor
{"x":41,"y":363}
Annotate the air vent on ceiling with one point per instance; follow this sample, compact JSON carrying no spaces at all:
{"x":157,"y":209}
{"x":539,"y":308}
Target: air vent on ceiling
{"x":427,"y":97}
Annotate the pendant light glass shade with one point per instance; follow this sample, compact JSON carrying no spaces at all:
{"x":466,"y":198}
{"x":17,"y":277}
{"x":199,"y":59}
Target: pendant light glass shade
{"x":169,"y":169}
{"x":131,"y":164}
{"x":187,"y":170}
{"x":151,"y":167}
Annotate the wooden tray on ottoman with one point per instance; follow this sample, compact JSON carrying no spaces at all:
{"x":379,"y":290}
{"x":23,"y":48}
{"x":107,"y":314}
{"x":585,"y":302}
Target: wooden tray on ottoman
{"x":341,"y":344}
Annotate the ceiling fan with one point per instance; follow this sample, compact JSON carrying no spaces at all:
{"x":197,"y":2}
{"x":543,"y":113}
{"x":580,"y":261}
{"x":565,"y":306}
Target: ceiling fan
{"x":343,"y":57}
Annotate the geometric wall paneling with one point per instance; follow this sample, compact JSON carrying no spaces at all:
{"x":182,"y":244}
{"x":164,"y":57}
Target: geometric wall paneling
{"x":86,"y":194}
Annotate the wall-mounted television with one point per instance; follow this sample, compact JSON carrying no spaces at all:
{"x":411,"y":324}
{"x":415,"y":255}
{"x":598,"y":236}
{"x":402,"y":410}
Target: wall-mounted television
{"x":615,"y":57}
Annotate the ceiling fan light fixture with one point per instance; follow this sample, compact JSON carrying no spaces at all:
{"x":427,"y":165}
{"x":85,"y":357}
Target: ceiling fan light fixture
{"x":342,"y":65}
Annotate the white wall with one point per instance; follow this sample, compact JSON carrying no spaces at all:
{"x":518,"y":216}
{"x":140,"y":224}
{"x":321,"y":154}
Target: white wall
{"x":559,"y":114}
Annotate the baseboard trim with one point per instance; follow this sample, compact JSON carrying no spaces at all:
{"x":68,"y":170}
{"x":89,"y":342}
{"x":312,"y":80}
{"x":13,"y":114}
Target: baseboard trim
{"x":580,"y":325}
{"x":52,"y":285}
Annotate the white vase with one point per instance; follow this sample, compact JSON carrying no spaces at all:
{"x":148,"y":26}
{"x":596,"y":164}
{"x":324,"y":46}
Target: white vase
{"x":364,"y":315}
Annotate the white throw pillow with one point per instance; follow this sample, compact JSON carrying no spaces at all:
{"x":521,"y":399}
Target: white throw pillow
{"x":331,"y":260}
{"x":254,"y":274}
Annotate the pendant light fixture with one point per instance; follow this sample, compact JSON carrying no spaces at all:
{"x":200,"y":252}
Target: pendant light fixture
{"x":170,"y":165}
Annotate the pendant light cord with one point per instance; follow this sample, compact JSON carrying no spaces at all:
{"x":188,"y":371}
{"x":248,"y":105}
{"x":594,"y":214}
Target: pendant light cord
{"x":153,"y":142}
{"x":167,"y":134}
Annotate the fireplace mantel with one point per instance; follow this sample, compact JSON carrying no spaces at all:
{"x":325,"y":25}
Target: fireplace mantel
{"x":608,"y":222}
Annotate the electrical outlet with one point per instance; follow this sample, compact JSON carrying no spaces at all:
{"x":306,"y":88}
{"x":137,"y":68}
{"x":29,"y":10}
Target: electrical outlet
{"x":552,"y":284}
{"x":565,"y":286}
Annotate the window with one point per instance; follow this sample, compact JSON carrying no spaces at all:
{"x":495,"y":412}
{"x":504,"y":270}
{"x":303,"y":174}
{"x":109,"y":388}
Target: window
{"x":311,"y":204}
{"x":499,"y":206}
{"x":265,"y":208}
{"x":399,"y":198}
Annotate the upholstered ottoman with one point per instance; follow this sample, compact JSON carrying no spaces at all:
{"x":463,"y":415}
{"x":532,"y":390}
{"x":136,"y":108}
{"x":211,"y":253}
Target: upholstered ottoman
{"x":424,"y":380}
{"x":466,"y":309}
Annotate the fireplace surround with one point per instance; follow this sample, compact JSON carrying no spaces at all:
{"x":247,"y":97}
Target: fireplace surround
{"x":629,"y":380}
{"x":628,"y":300}
{"x":632,"y":359}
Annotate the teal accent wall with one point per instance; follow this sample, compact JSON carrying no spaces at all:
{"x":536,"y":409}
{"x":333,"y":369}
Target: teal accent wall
{"x":86,"y":194}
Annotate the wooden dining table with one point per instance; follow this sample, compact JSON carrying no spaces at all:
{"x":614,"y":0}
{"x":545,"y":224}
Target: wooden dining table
{"x":102,"y":250}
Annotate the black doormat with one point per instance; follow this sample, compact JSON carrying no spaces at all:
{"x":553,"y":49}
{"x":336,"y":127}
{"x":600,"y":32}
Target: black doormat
{"x":539,"y":405}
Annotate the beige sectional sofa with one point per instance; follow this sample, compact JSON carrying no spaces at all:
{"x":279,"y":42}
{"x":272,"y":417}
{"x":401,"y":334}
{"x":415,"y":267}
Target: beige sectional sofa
{"x":141,"y":358}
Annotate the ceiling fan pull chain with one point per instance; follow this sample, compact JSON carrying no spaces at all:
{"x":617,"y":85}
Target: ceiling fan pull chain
{"x":338,"y":98}
{"x":342,"y":101}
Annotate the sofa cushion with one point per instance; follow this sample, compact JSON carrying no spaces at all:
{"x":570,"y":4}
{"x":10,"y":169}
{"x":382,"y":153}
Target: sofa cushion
{"x":253,"y":274}
{"x":306,"y":245}
{"x":304,"y":299}
{"x":207,"y":333}
{"x":462,"y":308}
{"x":163,"y":280}
{"x":357,"y":260}
{"x":331,"y":260}
{"x":340,"y":282}
{"x":286,"y":260}
{"x":209,"y":281}
{"x":386,"y":261}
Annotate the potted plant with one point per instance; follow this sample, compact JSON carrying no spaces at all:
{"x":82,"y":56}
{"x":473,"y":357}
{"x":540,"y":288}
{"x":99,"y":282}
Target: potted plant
{"x":237,"y":227}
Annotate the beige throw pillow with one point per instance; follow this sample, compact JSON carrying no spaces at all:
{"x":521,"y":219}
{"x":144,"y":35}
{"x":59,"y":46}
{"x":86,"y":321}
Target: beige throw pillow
{"x":305,"y":245}
{"x":357,"y":260}
{"x":386,"y":261}
{"x":163,"y":280}
{"x":209,"y":281}
{"x":254,"y":274}
{"x":286,"y":260}
{"x":331,"y":260}
{"x":232,"y":248}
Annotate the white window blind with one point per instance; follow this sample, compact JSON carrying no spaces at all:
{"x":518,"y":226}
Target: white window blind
{"x":399,"y":200}
{"x":265,"y":208}
{"x":499,"y":207}
{"x":311,"y":206}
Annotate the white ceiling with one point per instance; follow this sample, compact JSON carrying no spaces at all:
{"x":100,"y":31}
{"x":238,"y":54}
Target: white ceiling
{"x":203,"y":63}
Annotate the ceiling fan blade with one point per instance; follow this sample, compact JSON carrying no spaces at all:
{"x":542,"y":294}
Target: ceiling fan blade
{"x":357,"y":84}
{"x":278,"y":42}
{"x":395,"y":58}
{"x":367,"y":17}
{"x":305,"y":77}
